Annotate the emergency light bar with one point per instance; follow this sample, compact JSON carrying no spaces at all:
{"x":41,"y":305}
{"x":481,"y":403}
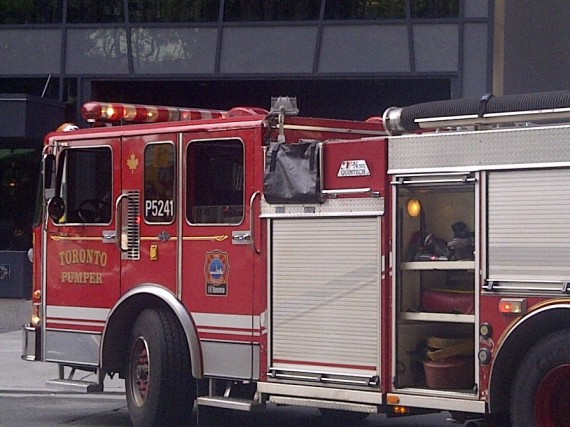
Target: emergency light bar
{"x":136,"y":113}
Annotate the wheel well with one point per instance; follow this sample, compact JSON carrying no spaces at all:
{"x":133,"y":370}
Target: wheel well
{"x":123,"y":316}
{"x":511,"y":352}
{"x":118,"y":328}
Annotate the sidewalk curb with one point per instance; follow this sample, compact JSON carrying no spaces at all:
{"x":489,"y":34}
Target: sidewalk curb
{"x":63,"y":393}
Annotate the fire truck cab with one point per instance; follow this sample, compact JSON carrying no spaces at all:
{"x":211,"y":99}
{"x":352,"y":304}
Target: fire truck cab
{"x":411,"y":263}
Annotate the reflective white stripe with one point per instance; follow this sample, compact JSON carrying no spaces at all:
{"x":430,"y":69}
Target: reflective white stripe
{"x":79,"y":313}
{"x":233,"y":321}
{"x":248,"y":333}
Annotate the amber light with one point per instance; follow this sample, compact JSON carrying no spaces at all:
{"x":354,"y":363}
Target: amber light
{"x":392,"y":400}
{"x":516,"y":306}
{"x":36,"y":319}
{"x":414,"y":208}
{"x":401,"y":410}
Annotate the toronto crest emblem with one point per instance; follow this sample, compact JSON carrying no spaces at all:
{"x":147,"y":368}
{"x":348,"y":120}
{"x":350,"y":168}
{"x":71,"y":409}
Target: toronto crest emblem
{"x":216,"y":271}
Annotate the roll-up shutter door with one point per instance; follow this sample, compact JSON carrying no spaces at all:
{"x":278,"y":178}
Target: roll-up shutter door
{"x":325,"y":293}
{"x":529,"y":225}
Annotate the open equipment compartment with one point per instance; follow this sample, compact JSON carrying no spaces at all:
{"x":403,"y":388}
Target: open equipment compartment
{"x":435,"y":283}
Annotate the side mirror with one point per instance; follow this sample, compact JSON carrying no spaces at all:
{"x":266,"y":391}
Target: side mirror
{"x":56,"y":208}
{"x":49,"y":170}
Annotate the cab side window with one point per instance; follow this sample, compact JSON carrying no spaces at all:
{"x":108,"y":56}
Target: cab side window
{"x":159,"y":183}
{"x":86,"y":185}
{"x":215,"y":184}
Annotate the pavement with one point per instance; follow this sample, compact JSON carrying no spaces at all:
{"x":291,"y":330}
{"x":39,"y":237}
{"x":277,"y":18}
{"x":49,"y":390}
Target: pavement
{"x":20,"y":376}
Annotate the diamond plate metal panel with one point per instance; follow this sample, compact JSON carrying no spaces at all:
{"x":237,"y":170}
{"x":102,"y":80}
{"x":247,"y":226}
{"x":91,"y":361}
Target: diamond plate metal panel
{"x":480,"y":150}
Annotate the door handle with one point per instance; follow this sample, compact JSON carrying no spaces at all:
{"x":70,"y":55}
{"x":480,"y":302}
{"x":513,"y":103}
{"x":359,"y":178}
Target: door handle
{"x":109,"y":236}
{"x":241,"y":237}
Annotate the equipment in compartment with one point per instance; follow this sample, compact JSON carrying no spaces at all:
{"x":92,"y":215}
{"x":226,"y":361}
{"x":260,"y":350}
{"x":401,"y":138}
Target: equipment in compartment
{"x":447,"y":301}
{"x":449,"y":363}
{"x":426,"y":246}
{"x":451,"y":373}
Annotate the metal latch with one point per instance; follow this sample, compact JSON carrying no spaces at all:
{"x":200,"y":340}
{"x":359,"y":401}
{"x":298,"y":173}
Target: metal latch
{"x":241,"y":237}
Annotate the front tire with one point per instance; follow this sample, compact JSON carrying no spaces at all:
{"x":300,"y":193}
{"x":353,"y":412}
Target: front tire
{"x":159,"y":385}
{"x":539,"y":395}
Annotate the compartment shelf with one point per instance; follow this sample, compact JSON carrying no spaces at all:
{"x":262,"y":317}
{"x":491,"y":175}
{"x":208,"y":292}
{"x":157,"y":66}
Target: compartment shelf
{"x":438,"y":265}
{"x":438,"y":317}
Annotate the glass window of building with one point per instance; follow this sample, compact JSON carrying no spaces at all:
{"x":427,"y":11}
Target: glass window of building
{"x":19,"y":172}
{"x":271,"y":10}
{"x":159,"y":183}
{"x":30,"y":12}
{"x":215,"y":182}
{"x":366,"y":9}
{"x":86,"y":185}
{"x":94,"y":11}
{"x":173,"y":10}
{"x":435,"y":9}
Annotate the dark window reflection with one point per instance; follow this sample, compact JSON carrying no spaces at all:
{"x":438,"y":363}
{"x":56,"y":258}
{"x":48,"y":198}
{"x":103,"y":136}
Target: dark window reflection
{"x":159,"y":173}
{"x":215,"y":191}
{"x":30,"y":11}
{"x":361,"y":9}
{"x":86,"y":185}
{"x":271,"y":10}
{"x":435,"y":8}
{"x":18,"y":183}
{"x":94,"y":11}
{"x":173,"y":10}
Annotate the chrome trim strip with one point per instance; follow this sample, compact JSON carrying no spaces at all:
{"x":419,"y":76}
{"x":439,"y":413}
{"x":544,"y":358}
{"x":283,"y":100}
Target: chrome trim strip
{"x":327,"y":404}
{"x":181,"y":174}
{"x":345,"y":395}
{"x":442,"y":403}
{"x":29,"y":349}
{"x":72,"y":347}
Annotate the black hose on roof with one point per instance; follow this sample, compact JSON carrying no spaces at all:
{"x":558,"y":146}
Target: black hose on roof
{"x":479,"y":107}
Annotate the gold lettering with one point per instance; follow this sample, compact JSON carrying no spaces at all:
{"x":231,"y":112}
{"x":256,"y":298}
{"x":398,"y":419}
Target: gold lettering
{"x":89,"y":259}
{"x":83,"y":256}
{"x":81,"y":277}
{"x":75,"y":256}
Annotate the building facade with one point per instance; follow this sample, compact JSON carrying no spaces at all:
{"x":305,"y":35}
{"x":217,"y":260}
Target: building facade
{"x":348,"y":59}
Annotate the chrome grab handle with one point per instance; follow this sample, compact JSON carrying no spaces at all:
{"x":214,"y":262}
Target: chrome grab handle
{"x":119,"y":221}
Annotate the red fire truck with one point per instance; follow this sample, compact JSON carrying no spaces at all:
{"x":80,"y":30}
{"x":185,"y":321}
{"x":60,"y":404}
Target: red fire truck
{"x":411,"y":263}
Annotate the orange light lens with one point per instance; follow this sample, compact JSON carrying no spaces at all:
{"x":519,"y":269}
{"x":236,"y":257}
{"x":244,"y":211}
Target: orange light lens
{"x":392,"y":400}
{"x":512,"y":306}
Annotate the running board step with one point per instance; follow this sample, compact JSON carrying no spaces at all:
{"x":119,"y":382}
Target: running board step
{"x":229,"y":403}
{"x":75,"y":386}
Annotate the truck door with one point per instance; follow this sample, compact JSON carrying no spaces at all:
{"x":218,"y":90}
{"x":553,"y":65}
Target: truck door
{"x":82,"y":280}
{"x":148,"y":211}
{"x":218,"y":256}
